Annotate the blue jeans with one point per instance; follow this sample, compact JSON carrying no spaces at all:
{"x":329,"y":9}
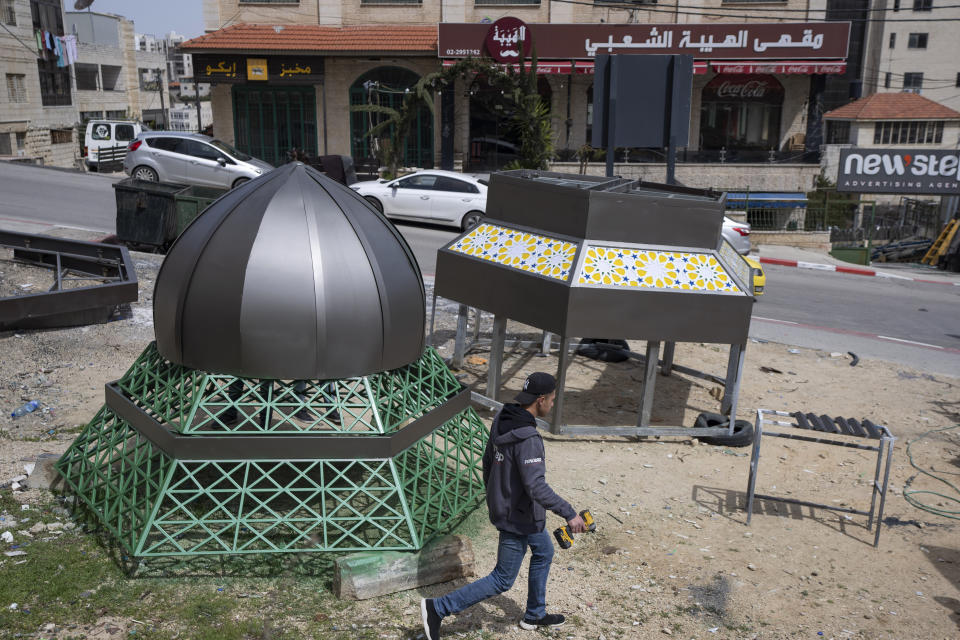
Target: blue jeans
{"x":509,"y":558}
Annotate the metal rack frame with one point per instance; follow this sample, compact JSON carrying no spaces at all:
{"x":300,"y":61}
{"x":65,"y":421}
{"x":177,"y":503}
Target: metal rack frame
{"x":829,"y":427}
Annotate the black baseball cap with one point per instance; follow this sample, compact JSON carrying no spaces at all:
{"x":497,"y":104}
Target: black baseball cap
{"x":536,"y":385}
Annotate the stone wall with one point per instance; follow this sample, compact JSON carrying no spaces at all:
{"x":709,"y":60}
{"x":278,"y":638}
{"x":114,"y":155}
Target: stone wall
{"x":733,"y":177}
{"x":816,"y":240}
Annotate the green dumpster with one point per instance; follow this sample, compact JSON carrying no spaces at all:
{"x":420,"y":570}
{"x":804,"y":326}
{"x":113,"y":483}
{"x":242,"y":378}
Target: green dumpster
{"x":856,"y":255}
{"x":146,"y":211}
{"x":191,"y":202}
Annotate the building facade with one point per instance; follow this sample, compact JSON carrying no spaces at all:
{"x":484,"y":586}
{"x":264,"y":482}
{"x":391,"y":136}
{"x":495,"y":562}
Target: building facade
{"x":756,"y":96}
{"x":915,"y":50}
{"x":38,"y":111}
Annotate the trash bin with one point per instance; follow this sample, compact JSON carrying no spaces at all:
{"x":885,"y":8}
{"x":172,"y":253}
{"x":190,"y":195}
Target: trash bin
{"x":191,"y":202}
{"x":146,"y":211}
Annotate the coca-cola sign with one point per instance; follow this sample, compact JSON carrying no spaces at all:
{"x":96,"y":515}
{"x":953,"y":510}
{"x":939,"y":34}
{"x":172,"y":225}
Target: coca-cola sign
{"x":507,"y":39}
{"x":753,"y":88}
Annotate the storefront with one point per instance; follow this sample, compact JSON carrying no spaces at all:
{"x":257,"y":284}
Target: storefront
{"x":755,"y":85}
{"x":278,"y":89}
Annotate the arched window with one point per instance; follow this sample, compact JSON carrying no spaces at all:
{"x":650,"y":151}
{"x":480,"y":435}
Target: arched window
{"x":386,"y":86}
{"x":741,"y":112}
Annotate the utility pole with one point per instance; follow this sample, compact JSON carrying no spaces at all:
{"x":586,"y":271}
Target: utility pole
{"x":196,"y":93}
{"x":163,"y":108}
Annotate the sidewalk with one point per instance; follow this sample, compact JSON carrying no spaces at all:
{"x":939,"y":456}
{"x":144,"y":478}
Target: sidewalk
{"x":820,"y":261}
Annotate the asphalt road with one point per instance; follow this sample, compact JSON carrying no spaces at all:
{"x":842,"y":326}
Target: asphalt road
{"x":874,"y":317}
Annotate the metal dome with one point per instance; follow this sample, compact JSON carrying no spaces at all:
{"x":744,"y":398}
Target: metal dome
{"x":292,"y":276}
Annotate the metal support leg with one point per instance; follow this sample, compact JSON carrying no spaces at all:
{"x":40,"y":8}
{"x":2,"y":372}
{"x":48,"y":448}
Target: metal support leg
{"x":731,"y":378}
{"x":666,"y":368}
{"x":883,"y":491}
{"x":460,"y":343}
{"x":546,"y":343}
{"x":556,"y":426}
{"x":876,"y":483}
{"x":476,"y":325}
{"x":495,"y":366}
{"x":754,"y":464}
{"x":731,"y":392}
{"x":649,"y":382}
{"x":433,"y":317}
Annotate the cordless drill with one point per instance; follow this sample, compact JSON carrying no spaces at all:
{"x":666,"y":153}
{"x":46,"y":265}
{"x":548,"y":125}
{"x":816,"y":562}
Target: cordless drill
{"x":562,"y":534}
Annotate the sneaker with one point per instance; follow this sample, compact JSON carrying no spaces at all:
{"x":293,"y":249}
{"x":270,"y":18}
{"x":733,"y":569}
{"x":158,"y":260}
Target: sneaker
{"x":549,"y":620}
{"x":431,"y":619}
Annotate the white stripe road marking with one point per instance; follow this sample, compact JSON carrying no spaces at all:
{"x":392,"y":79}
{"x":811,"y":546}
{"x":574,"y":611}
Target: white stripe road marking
{"x":815,"y":265}
{"x":921,"y":344}
{"x":775,"y":320}
{"x":891,"y":275}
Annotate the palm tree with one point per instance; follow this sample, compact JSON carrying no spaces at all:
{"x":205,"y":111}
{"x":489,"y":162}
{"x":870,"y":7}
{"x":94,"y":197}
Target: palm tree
{"x":398,"y":122}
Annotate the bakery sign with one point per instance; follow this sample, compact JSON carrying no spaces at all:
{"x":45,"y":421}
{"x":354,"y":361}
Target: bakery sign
{"x":772,"y":41}
{"x":240,"y":69}
{"x":900,"y":171}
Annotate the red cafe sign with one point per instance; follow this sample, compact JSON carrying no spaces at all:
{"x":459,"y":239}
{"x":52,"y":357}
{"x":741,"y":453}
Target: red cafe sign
{"x":726,"y":41}
{"x":505,"y":39}
{"x":738,"y":88}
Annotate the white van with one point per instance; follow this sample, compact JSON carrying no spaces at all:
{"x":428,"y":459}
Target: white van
{"x":109,"y":139}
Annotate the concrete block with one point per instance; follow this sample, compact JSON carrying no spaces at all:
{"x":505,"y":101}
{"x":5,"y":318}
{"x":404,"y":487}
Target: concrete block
{"x":367,"y":575}
{"x":45,"y":475}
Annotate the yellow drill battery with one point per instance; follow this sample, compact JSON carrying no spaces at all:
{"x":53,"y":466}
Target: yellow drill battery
{"x":562,"y":534}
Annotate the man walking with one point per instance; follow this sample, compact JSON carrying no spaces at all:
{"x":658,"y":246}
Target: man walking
{"x":518,"y":496}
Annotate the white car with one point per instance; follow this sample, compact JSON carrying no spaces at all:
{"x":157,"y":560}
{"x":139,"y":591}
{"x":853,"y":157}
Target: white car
{"x":737,"y":234}
{"x":441,"y":197}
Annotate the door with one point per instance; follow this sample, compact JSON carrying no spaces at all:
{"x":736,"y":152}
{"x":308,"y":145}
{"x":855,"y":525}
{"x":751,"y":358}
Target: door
{"x":270,"y":121}
{"x":167,"y":155}
{"x":452,"y":198}
{"x":202,"y":167}
{"x":411,"y":198}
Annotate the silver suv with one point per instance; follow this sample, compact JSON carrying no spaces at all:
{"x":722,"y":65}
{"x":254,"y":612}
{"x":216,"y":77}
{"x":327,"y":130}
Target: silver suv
{"x":190,"y":158}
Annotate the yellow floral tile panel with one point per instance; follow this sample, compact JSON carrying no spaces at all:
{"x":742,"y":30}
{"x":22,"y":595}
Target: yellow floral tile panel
{"x":520,"y":250}
{"x":652,"y":269}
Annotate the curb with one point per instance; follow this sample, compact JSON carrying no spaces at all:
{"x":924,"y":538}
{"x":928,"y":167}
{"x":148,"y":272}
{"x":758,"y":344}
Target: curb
{"x":853,"y":270}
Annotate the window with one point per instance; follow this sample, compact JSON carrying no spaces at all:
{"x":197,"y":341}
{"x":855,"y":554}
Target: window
{"x":166,"y":144}
{"x":838,"y":132}
{"x":922,"y":5}
{"x":917,"y":41}
{"x":21,"y":140}
{"x":125,"y":132}
{"x":54,"y":83}
{"x":5,"y":148}
{"x":269,"y":1}
{"x":416,"y":2}
{"x":88,"y":76}
{"x":958,"y":79}
{"x":16,"y":87}
{"x":101,"y":131}
{"x":9,"y":13}
{"x":457,"y":186}
{"x":61,"y":136}
{"x":418,"y":182}
{"x":896,"y":5}
{"x":199,"y":150}
{"x":913,"y":80}
{"x":886,"y":80}
{"x":907,"y":132}
{"x":893,"y":40}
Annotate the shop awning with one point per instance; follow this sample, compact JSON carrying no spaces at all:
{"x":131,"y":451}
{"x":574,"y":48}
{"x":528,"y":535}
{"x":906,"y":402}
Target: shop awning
{"x":567,"y":67}
{"x":786,"y":67}
{"x":765,"y":200}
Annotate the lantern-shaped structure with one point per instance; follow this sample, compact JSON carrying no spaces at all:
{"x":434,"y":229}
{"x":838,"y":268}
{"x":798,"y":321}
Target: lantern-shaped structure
{"x":288,"y":403}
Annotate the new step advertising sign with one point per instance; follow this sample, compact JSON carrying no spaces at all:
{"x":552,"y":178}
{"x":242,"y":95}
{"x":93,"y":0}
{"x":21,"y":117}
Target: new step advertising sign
{"x":900,"y":171}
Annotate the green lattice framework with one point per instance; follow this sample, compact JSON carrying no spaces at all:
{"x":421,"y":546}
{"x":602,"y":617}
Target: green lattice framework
{"x":157,"y":504}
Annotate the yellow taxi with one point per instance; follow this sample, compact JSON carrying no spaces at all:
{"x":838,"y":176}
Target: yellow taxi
{"x":759,"y":278}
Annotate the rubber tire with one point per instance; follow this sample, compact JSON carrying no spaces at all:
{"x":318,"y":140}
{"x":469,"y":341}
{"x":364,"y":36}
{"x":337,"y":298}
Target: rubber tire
{"x":374,"y":203}
{"x":147,"y":171}
{"x":742,"y":431}
{"x":471,"y":216}
{"x":238,"y":182}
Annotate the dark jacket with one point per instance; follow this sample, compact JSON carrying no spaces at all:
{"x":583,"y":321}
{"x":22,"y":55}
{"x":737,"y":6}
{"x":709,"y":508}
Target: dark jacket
{"x":514,"y":467}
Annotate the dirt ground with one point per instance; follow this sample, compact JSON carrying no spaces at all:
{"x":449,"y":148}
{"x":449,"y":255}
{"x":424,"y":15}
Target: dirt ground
{"x":672,"y":555}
